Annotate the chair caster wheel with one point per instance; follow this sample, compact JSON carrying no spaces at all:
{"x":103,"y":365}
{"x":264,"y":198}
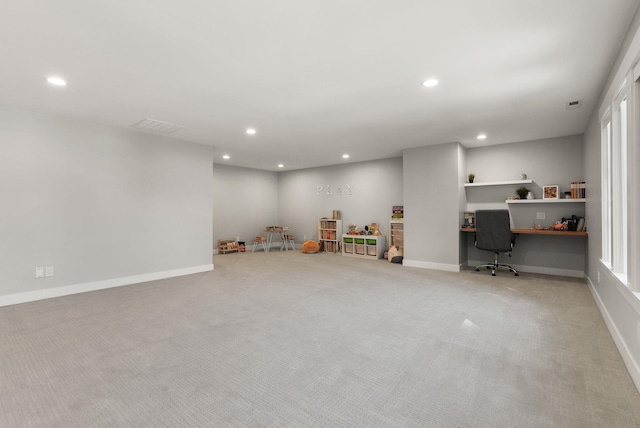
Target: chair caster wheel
{"x":477,"y":269}
{"x":517,"y":274}
{"x":493,"y":274}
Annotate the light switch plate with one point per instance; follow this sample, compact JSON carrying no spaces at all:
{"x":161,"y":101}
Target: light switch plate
{"x":48,"y":271}
{"x":39,"y":272}
{"x":540,"y":216}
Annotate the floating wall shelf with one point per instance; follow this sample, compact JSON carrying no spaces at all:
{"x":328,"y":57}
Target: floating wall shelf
{"x":543,"y":201}
{"x":498,"y":183}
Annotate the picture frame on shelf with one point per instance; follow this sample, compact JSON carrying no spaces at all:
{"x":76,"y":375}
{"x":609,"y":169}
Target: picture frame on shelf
{"x":550,"y":192}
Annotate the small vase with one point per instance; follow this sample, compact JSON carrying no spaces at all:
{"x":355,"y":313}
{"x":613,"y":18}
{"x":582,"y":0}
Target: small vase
{"x":530,"y":196}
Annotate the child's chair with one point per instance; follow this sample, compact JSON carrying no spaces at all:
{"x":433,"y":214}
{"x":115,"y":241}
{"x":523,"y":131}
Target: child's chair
{"x":288,"y":241}
{"x":260,"y":240}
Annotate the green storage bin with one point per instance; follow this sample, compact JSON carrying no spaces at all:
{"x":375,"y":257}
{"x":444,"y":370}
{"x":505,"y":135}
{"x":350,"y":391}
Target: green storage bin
{"x":348,"y":240}
{"x":371,"y":242}
{"x":359,"y":240}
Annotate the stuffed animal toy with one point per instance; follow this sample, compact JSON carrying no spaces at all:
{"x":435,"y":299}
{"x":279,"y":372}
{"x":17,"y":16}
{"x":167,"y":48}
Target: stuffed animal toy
{"x":310,"y":247}
{"x":395,"y":254}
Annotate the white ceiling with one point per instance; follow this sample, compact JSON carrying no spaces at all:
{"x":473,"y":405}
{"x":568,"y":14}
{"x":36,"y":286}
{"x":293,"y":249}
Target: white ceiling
{"x":316,"y":78}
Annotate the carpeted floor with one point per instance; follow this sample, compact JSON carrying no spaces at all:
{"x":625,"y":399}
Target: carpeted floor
{"x":297,"y":340}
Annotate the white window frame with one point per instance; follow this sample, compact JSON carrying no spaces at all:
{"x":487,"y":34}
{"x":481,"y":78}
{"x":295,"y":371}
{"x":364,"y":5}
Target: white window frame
{"x":618,"y":175}
{"x":606,"y":187}
{"x":633,"y":184}
{"x":619,"y":126}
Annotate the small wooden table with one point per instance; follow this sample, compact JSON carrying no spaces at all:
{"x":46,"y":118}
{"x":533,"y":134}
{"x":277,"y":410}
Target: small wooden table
{"x":279,"y":230}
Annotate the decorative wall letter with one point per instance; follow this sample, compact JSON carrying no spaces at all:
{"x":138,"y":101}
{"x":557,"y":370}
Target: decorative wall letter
{"x":327,"y":189}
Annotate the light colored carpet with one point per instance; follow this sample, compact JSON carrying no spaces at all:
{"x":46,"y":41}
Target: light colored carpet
{"x":300,"y":340}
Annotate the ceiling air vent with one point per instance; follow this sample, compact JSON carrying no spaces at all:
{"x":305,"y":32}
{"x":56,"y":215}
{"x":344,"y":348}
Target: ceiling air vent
{"x":573,"y":104}
{"x":157,"y":126}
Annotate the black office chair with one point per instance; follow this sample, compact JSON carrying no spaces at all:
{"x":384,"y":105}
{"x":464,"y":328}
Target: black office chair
{"x":493,"y":233}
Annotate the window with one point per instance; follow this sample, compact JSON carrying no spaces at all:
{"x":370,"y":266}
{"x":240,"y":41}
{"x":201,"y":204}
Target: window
{"x":606,"y":189}
{"x":615,"y":177}
{"x":619,"y":186}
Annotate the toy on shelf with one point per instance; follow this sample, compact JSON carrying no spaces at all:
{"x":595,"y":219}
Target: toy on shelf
{"x":227,"y":246}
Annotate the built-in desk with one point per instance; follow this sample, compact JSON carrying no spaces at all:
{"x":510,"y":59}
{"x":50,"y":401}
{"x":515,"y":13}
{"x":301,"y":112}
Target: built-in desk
{"x":553,"y":252}
{"x":536,"y":232}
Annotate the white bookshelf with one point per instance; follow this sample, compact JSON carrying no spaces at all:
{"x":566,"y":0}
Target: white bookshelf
{"x":365,"y":246}
{"x":329,"y":233}
{"x":396,"y":233}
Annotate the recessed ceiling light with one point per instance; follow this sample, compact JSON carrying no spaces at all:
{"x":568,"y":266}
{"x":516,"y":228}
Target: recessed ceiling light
{"x":56,"y":81}
{"x":482,"y":137}
{"x":280,"y":165}
{"x":251,"y":131}
{"x":345,"y":156}
{"x":226,"y":157}
{"x":430,"y":83}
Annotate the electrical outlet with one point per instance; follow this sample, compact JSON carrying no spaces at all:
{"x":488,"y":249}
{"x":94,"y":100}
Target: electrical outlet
{"x":48,"y":271}
{"x":304,"y":238}
{"x":638,"y":332}
{"x":39,"y":272}
{"x":540,"y":216}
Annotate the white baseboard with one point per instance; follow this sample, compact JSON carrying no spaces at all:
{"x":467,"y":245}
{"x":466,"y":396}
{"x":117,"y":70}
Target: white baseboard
{"x":537,"y":269}
{"x":520,"y":268}
{"x":627,"y":356}
{"x":430,"y":265}
{"x":48,"y":293}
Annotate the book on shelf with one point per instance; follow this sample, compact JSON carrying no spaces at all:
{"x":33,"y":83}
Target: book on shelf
{"x":328,"y":234}
{"x":329,"y":246}
{"x":578,"y":189}
{"x":328,"y":224}
{"x":469,"y":219}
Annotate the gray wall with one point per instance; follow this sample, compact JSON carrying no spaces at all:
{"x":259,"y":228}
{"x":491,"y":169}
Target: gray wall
{"x":548,"y":161}
{"x":244,"y":202}
{"x":619,"y":306}
{"x":97,"y":203}
{"x":304,"y":195}
{"x":557,"y":161}
{"x":433,"y":188}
